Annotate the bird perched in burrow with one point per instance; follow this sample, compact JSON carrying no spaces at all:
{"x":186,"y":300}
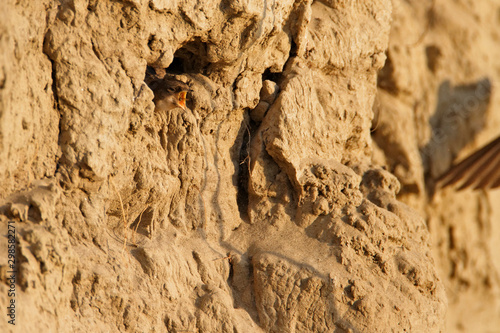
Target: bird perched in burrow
{"x":480,"y":170}
{"x":169,"y":92}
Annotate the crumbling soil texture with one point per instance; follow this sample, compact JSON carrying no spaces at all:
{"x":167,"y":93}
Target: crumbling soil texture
{"x":294,"y":194}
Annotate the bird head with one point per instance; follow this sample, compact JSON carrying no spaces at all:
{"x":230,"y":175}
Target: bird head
{"x":169,"y":94}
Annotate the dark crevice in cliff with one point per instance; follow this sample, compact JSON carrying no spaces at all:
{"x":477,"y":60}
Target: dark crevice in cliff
{"x":249,"y":129}
{"x":47,"y":51}
{"x":272,"y":76}
{"x":191,"y":58}
{"x":177,"y":66}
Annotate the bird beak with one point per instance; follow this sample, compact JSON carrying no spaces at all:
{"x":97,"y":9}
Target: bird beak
{"x":182,"y":99}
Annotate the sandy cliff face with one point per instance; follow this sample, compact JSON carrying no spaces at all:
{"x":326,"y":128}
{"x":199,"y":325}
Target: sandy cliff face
{"x":266,"y":206}
{"x":438,"y":101}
